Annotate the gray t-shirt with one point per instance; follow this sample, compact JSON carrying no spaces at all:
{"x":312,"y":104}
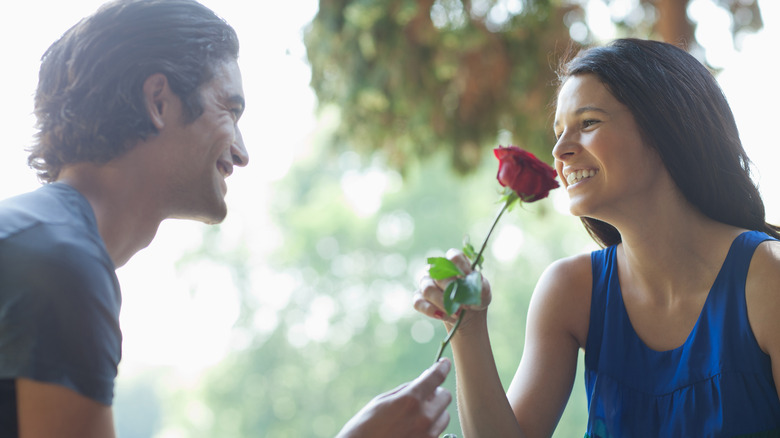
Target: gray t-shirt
{"x":59,"y":296}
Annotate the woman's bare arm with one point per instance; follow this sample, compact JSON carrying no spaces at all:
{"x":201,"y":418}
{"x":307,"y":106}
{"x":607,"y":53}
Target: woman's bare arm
{"x":557,"y":328}
{"x":543,"y":382}
{"x":762,"y":293}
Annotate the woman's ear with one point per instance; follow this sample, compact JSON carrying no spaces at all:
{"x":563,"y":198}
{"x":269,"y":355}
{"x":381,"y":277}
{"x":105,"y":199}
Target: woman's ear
{"x":157,"y":97}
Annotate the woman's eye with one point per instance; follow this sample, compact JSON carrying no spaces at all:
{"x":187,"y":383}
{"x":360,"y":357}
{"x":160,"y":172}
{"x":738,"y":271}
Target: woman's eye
{"x":589,"y":122}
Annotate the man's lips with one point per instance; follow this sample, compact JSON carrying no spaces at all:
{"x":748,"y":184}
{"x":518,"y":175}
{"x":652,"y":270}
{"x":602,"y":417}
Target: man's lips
{"x":225,"y":169}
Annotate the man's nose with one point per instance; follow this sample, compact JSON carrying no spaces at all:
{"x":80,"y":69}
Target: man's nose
{"x":238,"y":150}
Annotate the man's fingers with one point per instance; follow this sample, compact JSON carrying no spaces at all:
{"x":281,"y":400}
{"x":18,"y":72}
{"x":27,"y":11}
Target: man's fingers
{"x":440,"y":424}
{"x":439,"y":401}
{"x":397,"y":389}
{"x":425,"y":385}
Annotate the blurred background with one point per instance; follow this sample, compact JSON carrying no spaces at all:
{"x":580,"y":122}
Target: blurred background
{"x":370,"y":125}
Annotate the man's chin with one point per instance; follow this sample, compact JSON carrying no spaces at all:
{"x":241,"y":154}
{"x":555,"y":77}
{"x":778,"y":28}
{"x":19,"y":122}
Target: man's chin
{"x":215,"y":218}
{"x":211,"y":221}
{"x":212,"y":217}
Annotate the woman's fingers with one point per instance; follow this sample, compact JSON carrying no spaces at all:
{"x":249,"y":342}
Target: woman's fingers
{"x":432,"y":292}
{"x":456,"y":256}
{"x":429,"y":300}
{"x":486,"y":295}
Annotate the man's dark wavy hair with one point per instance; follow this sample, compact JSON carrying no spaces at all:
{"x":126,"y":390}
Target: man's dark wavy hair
{"x":89,"y":102}
{"x":682,"y":113}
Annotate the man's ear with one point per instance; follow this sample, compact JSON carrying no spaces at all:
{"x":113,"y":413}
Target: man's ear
{"x":157,"y":97}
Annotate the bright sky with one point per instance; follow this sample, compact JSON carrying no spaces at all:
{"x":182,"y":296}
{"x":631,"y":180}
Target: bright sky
{"x":184,"y":319}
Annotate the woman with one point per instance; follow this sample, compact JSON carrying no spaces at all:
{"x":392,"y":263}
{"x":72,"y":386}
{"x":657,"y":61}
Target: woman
{"x":677,"y":315}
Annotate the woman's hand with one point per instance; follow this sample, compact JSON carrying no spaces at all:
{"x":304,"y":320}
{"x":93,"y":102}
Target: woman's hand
{"x":429,"y":298}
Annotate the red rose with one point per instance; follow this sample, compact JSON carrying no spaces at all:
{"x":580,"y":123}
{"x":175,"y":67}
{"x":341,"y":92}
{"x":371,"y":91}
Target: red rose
{"x":530,"y":180}
{"x":525,"y":174}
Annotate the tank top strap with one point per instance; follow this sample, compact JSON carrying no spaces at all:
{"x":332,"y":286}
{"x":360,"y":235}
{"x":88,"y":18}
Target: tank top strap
{"x":741,"y":252}
{"x":724,"y":317}
{"x":602,"y":266}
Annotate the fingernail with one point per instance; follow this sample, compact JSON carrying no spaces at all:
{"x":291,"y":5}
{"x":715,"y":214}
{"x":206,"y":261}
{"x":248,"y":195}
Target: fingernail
{"x":438,"y":314}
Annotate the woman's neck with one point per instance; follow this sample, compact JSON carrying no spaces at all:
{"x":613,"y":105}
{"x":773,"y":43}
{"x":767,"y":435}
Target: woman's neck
{"x":674,"y":252}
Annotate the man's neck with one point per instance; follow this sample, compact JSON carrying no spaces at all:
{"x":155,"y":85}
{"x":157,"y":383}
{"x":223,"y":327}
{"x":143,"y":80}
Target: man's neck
{"x":125,"y":210}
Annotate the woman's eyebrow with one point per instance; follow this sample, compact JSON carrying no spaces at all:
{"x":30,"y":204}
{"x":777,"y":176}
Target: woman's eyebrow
{"x":586,"y":109}
{"x":580,"y":110}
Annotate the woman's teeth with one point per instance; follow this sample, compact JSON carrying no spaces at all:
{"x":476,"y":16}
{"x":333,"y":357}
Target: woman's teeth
{"x":579,"y":175}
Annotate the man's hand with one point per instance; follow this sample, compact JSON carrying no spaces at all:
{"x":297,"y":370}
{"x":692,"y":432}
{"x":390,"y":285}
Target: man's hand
{"x":414,"y":410}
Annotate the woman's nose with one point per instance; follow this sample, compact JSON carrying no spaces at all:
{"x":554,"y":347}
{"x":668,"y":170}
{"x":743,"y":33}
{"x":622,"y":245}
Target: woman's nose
{"x":564,"y":148}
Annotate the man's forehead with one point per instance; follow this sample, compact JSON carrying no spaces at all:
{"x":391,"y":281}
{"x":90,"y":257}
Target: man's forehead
{"x":227,"y":82}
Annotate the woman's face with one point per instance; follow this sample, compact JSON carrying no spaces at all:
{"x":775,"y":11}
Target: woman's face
{"x":601,"y":158}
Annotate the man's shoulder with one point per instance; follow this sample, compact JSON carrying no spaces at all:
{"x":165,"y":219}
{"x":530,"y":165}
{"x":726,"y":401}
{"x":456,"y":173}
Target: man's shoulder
{"x":51,"y":252}
{"x":53,"y":212}
{"x":48,"y":205}
{"x":49,"y":230}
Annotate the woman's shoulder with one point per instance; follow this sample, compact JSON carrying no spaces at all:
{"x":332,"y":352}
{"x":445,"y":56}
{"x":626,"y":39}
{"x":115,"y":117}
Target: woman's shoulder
{"x":770,"y":249}
{"x":765,"y":266}
{"x":761,"y":295}
{"x":574,"y":271}
{"x":563,"y":295}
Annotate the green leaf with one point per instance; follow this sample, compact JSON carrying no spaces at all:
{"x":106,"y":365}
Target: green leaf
{"x":463,"y":291}
{"x":471,"y":253}
{"x":451,"y":304}
{"x":468,"y":248}
{"x":472,"y":289}
{"x":511,"y":199}
{"x":442,"y":268}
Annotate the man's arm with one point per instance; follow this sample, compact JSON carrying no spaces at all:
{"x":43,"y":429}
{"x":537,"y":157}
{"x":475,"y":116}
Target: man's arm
{"x":46,"y":410}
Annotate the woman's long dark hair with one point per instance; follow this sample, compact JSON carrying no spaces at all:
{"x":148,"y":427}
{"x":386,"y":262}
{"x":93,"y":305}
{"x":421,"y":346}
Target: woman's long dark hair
{"x":682,"y":112}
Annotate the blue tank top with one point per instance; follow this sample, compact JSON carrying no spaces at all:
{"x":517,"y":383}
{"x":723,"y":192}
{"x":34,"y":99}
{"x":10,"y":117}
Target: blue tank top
{"x":717,"y":384}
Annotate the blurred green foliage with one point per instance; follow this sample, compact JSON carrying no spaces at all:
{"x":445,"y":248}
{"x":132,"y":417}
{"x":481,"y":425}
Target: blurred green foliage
{"x":417,"y":77}
{"x":356,"y":271}
{"x":414,"y":77}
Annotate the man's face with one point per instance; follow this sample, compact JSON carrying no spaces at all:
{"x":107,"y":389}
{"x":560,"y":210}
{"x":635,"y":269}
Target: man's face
{"x":209,"y":148}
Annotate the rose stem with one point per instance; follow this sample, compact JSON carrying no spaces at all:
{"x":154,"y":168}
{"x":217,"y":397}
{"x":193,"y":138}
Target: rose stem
{"x":446,"y":340}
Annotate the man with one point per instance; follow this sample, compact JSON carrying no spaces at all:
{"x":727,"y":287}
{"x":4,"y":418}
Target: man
{"x":137,"y":109}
